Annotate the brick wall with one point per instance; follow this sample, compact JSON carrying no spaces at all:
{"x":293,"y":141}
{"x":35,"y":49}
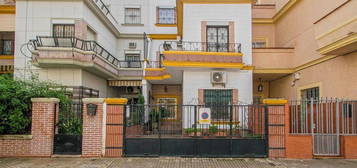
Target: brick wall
{"x":40,"y":142}
{"x":92,"y":143}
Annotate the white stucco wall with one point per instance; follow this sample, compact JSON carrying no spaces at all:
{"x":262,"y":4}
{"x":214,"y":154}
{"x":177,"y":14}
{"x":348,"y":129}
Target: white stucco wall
{"x":34,"y":18}
{"x":240,"y":14}
{"x":105,"y":37}
{"x":201,"y":79}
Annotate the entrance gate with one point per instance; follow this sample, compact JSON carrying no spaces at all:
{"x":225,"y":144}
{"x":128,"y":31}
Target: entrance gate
{"x":325,"y":120}
{"x":175,"y":130}
{"x":68,"y":130}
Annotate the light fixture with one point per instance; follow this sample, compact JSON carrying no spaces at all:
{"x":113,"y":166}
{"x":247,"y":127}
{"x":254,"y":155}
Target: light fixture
{"x":260,"y":86}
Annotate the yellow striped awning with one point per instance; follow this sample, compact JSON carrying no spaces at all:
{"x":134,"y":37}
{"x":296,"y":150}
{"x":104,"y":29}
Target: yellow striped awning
{"x":125,"y":83}
{"x":6,"y":68}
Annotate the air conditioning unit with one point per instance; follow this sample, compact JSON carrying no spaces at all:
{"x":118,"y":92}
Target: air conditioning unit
{"x":132,"y":45}
{"x":218,"y":77}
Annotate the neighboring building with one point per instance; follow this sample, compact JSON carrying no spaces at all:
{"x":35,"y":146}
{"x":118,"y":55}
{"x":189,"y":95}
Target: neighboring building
{"x":7,"y":36}
{"x":190,"y":51}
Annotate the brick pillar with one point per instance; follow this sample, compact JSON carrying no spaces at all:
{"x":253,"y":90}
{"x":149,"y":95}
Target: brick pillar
{"x":92,"y":135}
{"x":278,"y":109}
{"x":43,"y":116}
{"x":114,"y":127}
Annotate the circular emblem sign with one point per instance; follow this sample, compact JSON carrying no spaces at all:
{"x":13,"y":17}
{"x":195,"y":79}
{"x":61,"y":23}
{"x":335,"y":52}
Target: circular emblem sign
{"x":204,"y":115}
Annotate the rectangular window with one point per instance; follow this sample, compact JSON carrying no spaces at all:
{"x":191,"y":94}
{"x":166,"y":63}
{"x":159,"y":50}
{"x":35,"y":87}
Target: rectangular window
{"x":259,"y":44}
{"x":6,"y":47}
{"x":310,"y":93}
{"x":217,"y":38}
{"x":132,"y":16}
{"x":166,"y":15}
{"x":63,"y":30}
{"x":218,"y":101}
{"x":168,"y":107}
{"x":132,"y":61}
{"x":7,"y":43}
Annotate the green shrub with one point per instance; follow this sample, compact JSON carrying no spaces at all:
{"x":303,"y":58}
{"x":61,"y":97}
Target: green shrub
{"x":15,"y":102}
{"x":213,"y":129}
{"x":192,"y":130}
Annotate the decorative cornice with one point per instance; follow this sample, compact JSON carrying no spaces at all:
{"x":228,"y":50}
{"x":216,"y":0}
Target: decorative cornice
{"x":277,"y":15}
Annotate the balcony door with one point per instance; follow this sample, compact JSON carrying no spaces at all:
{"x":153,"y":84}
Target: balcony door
{"x":217,"y":38}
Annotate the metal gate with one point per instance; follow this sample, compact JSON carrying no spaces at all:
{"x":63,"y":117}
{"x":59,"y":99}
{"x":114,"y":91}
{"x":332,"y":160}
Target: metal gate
{"x":68,"y":132}
{"x":175,"y":130}
{"x":326,"y":120}
{"x":325,"y":125}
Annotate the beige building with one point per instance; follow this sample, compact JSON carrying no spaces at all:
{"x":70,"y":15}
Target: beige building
{"x":300,"y":48}
{"x":305,"y":48}
{"x":7,"y":36}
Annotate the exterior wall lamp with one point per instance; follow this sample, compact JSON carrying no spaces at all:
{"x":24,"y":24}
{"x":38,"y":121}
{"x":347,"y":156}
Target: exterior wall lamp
{"x":91,"y":109}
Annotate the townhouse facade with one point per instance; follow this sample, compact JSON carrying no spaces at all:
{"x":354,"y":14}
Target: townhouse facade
{"x":186,"y":51}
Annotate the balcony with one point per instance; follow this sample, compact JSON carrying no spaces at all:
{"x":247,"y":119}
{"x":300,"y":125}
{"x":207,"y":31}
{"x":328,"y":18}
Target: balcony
{"x":131,"y":70}
{"x":336,"y":32}
{"x":202,"y":54}
{"x":74,"y":52}
{"x":155,"y":71}
{"x":7,"y":52}
{"x":272,"y":63}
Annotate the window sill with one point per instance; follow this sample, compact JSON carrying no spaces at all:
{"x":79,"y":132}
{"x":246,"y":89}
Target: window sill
{"x":15,"y":137}
{"x":128,"y":24}
{"x":165,"y":25}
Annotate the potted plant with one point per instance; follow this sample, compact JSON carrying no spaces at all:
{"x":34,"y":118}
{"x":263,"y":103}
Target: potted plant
{"x":213,"y":129}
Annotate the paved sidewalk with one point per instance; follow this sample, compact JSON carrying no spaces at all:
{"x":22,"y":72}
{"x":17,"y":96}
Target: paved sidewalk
{"x":172,"y":163}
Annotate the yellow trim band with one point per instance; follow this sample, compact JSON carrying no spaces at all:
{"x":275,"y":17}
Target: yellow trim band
{"x":165,"y":25}
{"x":336,"y":28}
{"x":203,"y":64}
{"x":248,"y":68}
{"x":113,"y":101}
{"x":202,"y":53}
{"x":155,"y":69}
{"x":157,"y":77}
{"x":338,"y":44}
{"x":275,"y":101}
{"x":277,"y":15}
{"x":163,"y":36}
{"x":7,"y":9}
{"x":6,"y":57}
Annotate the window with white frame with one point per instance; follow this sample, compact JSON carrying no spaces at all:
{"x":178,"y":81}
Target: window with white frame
{"x":166,"y":15}
{"x":63,"y":30}
{"x":132,"y":61}
{"x":132,"y":16}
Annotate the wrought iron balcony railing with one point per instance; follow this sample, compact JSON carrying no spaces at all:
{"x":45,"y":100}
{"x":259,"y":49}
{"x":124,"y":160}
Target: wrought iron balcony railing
{"x":201,"y":46}
{"x":73,"y":42}
{"x":131,"y":64}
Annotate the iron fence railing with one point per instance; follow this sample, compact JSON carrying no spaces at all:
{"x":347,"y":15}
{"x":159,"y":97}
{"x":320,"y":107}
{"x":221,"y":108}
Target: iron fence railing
{"x":73,"y":42}
{"x":201,"y":46}
{"x":105,"y":9}
{"x":239,"y":121}
{"x":131,"y":64}
{"x":323,"y":116}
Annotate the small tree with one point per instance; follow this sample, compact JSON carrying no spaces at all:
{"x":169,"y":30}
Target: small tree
{"x":15,"y":102}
